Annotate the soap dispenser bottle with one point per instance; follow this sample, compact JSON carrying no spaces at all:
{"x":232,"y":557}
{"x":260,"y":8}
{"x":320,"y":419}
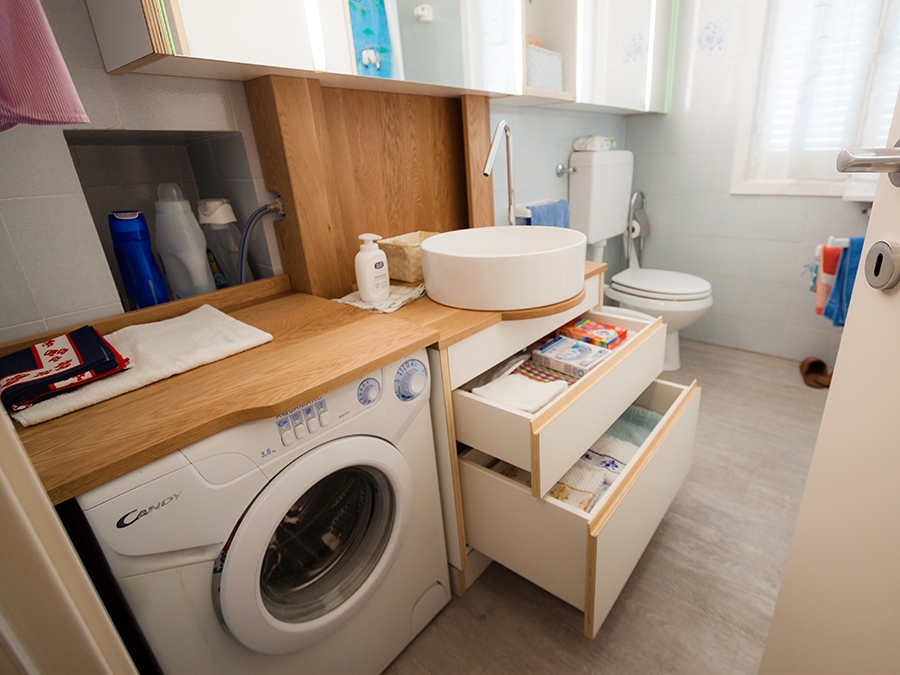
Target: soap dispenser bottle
{"x":372,"y":270}
{"x":181,"y":244}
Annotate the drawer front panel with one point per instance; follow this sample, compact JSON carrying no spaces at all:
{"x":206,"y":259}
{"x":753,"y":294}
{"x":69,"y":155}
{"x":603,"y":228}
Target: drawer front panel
{"x":535,"y":538}
{"x":620,"y":538}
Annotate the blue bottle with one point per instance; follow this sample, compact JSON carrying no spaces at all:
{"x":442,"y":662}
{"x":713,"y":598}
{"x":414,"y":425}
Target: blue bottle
{"x":140,"y":273}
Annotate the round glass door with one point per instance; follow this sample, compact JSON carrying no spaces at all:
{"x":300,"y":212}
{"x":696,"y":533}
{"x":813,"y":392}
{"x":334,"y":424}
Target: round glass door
{"x":315,"y":544}
{"x":327,"y":544}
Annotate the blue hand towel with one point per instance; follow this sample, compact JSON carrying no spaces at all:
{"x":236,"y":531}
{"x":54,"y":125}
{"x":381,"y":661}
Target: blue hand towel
{"x":839,"y":300}
{"x":555,"y":214}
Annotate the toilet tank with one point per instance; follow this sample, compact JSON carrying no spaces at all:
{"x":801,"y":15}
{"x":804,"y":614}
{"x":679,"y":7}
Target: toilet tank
{"x":599,"y":193}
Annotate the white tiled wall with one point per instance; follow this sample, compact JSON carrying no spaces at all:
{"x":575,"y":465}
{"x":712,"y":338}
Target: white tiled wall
{"x":542,"y":138}
{"x":752,"y":249}
{"x":53,"y":272}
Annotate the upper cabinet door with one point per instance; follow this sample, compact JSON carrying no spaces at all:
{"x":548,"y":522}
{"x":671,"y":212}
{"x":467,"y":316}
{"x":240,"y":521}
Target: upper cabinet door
{"x":624,"y":52}
{"x":263,"y":32}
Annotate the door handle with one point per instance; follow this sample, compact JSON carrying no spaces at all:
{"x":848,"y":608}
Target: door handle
{"x":871,"y":160}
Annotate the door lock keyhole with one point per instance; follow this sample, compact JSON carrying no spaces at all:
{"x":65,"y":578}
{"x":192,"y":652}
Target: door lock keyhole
{"x":883,"y":265}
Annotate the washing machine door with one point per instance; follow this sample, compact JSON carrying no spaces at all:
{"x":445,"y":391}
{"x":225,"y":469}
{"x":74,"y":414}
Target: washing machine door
{"x":314,"y":545}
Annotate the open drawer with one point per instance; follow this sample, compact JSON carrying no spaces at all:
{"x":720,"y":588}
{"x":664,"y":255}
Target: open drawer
{"x":550,"y":441}
{"x":584,"y":558}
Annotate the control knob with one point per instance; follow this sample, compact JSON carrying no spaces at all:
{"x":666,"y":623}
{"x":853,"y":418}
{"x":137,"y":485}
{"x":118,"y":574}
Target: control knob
{"x":410,"y":380}
{"x":368,"y":391}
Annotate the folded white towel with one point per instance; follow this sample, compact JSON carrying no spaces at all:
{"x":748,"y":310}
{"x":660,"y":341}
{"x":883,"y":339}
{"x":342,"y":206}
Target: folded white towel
{"x":157,"y":350}
{"x":620,"y":450}
{"x":587,"y":480}
{"x":520,"y":392}
{"x":397,"y":297}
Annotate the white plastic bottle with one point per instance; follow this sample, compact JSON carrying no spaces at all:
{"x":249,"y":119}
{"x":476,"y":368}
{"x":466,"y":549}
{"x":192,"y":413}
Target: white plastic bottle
{"x":372,"y":270}
{"x":181,"y":245}
{"x":223,"y":238}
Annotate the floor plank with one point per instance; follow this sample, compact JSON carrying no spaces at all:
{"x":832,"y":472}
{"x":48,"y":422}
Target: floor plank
{"x":702,"y":596}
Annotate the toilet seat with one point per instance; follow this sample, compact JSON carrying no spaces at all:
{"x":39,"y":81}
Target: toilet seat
{"x":661,"y":285}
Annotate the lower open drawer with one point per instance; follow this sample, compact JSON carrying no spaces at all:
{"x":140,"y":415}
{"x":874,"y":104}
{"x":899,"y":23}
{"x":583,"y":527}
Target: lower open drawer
{"x":585,"y":558}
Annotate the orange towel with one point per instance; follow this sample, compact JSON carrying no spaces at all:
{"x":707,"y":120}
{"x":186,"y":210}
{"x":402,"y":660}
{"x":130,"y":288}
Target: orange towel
{"x":828,"y":263}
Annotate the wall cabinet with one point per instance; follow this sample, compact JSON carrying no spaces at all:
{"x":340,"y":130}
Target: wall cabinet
{"x":592,"y":52}
{"x":583,"y":557}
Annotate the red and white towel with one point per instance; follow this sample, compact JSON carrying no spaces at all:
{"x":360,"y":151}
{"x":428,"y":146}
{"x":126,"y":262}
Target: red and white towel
{"x":828,"y":264}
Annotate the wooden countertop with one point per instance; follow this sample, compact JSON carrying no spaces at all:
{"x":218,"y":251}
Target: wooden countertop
{"x":319,"y":345}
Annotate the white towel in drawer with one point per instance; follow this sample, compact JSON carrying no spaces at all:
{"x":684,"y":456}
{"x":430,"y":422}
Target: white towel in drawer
{"x":548,"y":541}
{"x":548,"y":442}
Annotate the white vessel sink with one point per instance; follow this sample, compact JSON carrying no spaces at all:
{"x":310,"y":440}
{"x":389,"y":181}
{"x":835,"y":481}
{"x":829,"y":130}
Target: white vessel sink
{"x":504,"y":268}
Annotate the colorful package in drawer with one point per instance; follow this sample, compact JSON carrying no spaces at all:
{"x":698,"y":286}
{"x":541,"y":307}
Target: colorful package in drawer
{"x":569,"y":356}
{"x":596,"y":333}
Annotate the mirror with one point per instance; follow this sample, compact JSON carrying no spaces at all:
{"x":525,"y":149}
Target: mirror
{"x":466,"y":44}
{"x":624,"y":53}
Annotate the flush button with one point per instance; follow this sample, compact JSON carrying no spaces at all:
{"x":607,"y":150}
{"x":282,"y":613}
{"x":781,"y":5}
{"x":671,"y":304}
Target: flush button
{"x":883,"y":265}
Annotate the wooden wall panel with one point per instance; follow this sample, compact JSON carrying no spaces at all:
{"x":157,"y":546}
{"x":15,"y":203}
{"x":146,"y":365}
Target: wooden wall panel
{"x":400,"y":163}
{"x":347,"y":162}
{"x":476,"y":112}
{"x":297,"y":161}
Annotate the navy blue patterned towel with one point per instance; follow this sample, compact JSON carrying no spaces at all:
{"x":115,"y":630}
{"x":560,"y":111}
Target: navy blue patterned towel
{"x":56,"y":365}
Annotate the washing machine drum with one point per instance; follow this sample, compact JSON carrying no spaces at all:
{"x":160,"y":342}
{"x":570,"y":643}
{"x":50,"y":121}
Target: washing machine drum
{"x":314,"y":546}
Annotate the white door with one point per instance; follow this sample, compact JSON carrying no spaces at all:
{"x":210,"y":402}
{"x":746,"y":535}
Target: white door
{"x":314,"y":545}
{"x":838,"y":610}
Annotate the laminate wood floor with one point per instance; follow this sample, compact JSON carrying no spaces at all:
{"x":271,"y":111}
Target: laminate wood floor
{"x":701,"y":598}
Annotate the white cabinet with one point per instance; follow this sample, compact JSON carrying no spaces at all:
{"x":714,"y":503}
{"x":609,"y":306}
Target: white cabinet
{"x":133,"y":34}
{"x":585,"y":558}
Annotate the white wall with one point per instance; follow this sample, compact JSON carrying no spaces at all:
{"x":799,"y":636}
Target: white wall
{"x":53,"y":272}
{"x":752,"y":249}
{"x":542,"y":138}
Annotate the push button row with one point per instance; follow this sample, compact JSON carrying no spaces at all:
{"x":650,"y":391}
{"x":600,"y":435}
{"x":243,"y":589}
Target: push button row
{"x":308,"y":419}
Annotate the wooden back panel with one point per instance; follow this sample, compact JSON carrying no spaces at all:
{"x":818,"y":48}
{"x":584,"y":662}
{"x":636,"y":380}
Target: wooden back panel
{"x":347,"y":162}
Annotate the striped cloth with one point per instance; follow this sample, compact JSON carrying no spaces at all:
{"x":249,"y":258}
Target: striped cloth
{"x":35,"y":86}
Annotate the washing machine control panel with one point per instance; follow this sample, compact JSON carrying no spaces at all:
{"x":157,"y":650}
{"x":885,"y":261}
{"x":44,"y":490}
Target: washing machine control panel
{"x":410,"y":380}
{"x":368,"y":391}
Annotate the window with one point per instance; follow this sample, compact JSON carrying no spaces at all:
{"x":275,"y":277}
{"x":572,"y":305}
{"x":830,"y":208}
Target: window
{"x":828,"y":79}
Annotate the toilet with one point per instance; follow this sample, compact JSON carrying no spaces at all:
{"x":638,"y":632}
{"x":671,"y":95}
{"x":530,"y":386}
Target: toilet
{"x":599,"y":194}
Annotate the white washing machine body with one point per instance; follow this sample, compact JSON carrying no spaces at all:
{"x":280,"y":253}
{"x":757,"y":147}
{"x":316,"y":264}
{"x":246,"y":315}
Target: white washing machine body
{"x":309,"y":542}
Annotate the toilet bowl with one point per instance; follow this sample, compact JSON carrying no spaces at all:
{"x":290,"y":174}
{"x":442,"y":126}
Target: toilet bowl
{"x":680,"y":299}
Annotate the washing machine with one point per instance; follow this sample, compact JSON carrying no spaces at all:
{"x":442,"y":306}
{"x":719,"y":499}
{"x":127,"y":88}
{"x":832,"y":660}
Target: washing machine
{"x":311,"y":542}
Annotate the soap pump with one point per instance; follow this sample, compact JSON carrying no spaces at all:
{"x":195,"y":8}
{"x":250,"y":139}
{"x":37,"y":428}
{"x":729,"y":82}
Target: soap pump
{"x":372,"y":276}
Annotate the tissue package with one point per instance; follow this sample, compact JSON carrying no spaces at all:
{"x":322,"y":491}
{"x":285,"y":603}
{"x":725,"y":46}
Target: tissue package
{"x":596,"y":333}
{"x":569,"y":356}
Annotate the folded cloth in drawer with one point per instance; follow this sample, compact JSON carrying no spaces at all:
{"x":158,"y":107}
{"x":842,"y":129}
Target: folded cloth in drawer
{"x":519,"y":475}
{"x":583,"y":484}
{"x":520,"y":392}
{"x":610,"y":454}
{"x":634,"y":425}
{"x":157,"y":350}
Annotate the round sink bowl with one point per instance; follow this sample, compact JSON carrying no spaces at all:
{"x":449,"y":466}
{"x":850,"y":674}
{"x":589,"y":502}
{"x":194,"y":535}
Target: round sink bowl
{"x":504,"y":268}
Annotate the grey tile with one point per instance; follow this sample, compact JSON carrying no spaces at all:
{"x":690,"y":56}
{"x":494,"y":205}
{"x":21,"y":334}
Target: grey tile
{"x":173,"y":103}
{"x":36,"y":161}
{"x":202,"y":163}
{"x":74,"y":33}
{"x":22,"y":331}
{"x":77,"y":319}
{"x":58,"y":247}
{"x":103,"y":165}
{"x":97,"y":97}
{"x":230,"y":157}
{"x":17,"y":302}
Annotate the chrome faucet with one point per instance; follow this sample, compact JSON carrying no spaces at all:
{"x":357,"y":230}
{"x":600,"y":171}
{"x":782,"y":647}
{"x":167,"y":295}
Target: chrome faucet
{"x":489,"y":165}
